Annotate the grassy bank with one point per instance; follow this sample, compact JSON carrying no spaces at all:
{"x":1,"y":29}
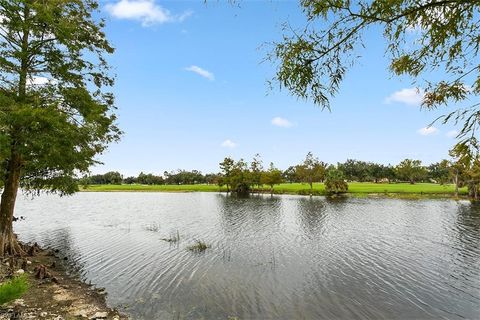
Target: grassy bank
{"x":355,"y":188}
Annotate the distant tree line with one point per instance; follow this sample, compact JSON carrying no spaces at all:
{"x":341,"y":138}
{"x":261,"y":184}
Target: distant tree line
{"x":242,"y":177}
{"x":174,"y":177}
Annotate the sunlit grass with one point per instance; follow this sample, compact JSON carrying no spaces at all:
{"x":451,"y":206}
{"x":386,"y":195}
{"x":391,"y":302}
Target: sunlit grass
{"x":13,"y":289}
{"x":295,"y":188}
{"x":164,"y":188}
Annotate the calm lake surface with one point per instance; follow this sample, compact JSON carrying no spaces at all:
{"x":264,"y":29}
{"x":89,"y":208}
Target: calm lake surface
{"x":285,"y":257}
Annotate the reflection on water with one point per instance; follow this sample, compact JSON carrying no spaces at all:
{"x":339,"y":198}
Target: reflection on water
{"x":282,"y":257}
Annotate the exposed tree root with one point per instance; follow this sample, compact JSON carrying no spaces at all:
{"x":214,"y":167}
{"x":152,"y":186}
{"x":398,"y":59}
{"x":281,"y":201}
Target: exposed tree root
{"x":41,"y":272}
{"x":9,"y":245}
{"x":33,"y":250}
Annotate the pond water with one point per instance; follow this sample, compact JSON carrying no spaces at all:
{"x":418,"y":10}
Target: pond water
{"x":281,"y":257}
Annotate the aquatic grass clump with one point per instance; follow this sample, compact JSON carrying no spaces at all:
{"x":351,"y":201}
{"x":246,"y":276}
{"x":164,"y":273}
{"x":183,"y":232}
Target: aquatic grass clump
{"x":13,"y":289}
{"x":154,"y":227}
{"x":174,"y":238}
{"x":199,"y":246}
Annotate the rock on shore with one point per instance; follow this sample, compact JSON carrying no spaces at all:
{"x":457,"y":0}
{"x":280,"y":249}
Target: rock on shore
{"x":52,"y":293}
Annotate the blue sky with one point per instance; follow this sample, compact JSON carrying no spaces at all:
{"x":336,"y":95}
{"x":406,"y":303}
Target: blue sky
{"x":191,"y":89}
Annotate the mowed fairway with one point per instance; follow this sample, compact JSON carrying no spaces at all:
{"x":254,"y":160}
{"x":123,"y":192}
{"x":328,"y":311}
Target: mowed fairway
{"x":295,"y":188}
{"x":367,"y":187}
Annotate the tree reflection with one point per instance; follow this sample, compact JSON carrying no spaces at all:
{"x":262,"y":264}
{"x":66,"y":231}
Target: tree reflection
{"x":311,"y":214}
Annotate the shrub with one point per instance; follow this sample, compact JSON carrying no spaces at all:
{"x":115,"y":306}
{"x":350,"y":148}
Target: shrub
{"x":335,"y":182}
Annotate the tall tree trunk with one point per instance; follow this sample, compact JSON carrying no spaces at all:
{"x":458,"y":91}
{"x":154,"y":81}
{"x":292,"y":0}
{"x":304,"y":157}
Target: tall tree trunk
{"x":8,"y":241}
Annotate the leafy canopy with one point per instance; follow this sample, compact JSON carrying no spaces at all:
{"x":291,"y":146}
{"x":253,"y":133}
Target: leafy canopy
{"x":272,"y":176}
{"x":55,"y":110}
{"x":411,"y":170}
{"x":311,"y":170}
{"x":435,"y":42}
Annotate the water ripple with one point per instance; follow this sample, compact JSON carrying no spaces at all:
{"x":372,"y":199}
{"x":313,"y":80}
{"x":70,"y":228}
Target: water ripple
{"x":282,"y":257}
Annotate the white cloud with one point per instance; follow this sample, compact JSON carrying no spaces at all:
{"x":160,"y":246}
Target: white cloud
{"x":428,"y":131}
{"x":409,"y":96}
{"x":184,"y":15}
{"x":228,"y":144}
{"x":145,"y":11}
{"x":37,"y":81}
{"x":202,"y":72}
{"x":281,"y":122}
{"x":452,"y":134}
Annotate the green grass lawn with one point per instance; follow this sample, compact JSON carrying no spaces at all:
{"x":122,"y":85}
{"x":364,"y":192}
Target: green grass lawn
{"x":296,"y":188}
{"x":159,"y":188}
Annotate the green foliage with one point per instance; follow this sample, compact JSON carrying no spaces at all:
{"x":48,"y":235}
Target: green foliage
{"x":56,"y":113}
{"x":411,"y":170}
{"x":362,"y":171}
{"x":13,"y":289}
{"x":212,"y":178}
{"x":226,"y":167}
{"x":440,"y":171}
{"x":184,"y":177}
{"x":473,"y":178}
{"x":311,"y":170}
{"x":240,"y":178}
{"x":290,"y":175}
{"x":111,"y":177}
{"x":129,"y":180}
{"x":335,"y":181}
{"x":256,"y":168}
{"x":423,"y":39}
{"x":237,"y":176}
{"x":271,"y":177}
{"x":465,"y":170}
{"x":148,"y":178}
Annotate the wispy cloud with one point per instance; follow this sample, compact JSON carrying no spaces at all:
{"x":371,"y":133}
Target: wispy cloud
{"x":228,"y":144}
{"x":427,"y":131}
{"x":38,"y":81}
{"x":148,"y":12}
{"x":452,"y":133}
{"x":281,"y":122}
{"x":409,"y":96}
{"x":184,"y":15}
{"x":201,"y":72}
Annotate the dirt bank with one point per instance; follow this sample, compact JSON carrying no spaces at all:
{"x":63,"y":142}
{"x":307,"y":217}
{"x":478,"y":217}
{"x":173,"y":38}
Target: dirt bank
{"x":52,"y":293}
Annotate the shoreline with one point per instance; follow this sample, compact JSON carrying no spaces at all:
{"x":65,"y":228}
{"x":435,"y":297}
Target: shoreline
{"x":375,"y":193}
{"x":53,"y":293}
